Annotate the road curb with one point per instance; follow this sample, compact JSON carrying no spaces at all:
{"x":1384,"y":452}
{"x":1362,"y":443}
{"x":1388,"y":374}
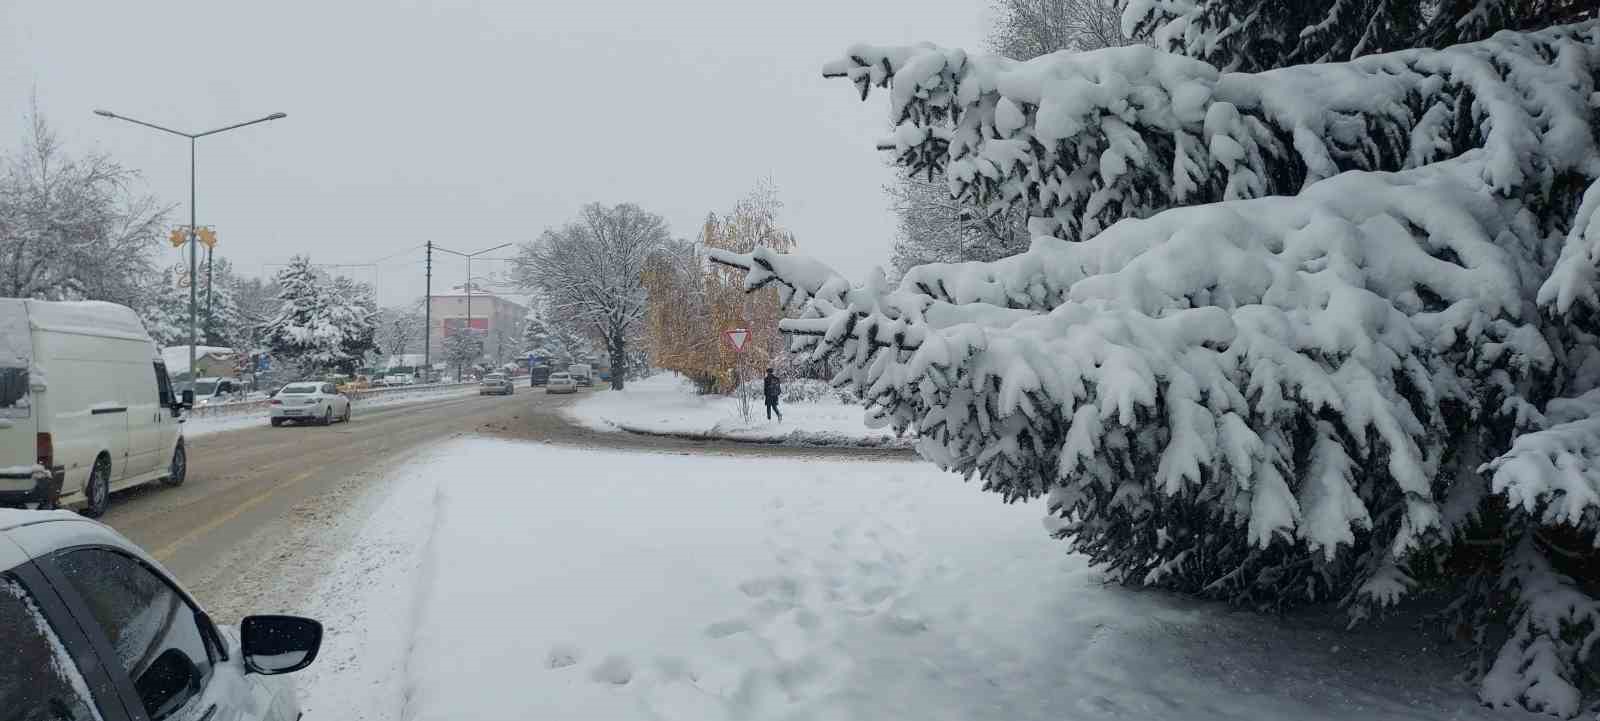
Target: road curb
{"x":789,"y":441}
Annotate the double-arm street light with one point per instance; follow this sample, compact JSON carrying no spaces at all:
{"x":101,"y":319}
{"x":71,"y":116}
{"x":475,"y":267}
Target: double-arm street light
{"x":467,"y":287}
{"x":194,"y":321}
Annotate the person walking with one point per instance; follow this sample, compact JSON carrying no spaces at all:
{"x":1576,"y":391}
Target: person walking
{"x":771,"y":388}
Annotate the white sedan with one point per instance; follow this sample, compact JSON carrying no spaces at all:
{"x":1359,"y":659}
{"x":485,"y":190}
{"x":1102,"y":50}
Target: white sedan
{"x":561,"y":383}
{"x":91,"y":627}
{"x":315,"y":402}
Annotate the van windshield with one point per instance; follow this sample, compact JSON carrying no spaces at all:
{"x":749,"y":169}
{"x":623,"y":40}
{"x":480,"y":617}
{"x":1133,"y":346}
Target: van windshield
{"x":205,"y":388}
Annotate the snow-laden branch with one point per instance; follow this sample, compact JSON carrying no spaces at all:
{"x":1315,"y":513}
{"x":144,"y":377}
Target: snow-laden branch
{"x":1081,"y":140}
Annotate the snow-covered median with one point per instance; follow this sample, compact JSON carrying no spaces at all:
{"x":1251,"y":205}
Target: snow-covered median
{"x":667,"y":404}
{"x":517,"y":581}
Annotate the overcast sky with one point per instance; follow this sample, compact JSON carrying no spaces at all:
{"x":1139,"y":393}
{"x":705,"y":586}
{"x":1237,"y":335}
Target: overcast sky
{"x":473,"y":124}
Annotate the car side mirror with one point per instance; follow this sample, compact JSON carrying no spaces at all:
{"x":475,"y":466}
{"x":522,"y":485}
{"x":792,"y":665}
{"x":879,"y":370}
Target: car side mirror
{"x":279,"y":644}
{"x":188,"y":399}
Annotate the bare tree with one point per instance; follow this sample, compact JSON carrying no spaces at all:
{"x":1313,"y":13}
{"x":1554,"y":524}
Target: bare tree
{"x":398,"y":330}
{"x":70,"y":226}
{"x":590,"y":272}
{"x":936,"y":228}
{"x":1025,"y":29}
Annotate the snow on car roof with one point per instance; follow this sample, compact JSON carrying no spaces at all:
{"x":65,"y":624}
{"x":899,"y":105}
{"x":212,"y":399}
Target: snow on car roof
{"x":90,"y":317}
{"x":13,"y":517}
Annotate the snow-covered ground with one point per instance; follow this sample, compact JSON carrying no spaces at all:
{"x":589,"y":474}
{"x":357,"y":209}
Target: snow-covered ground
{"x":605,"y":585}
{"x":207,"y":425}
{"x":667,"y":403}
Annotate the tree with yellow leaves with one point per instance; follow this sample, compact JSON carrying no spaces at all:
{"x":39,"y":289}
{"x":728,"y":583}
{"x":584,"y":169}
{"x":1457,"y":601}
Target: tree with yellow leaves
{"x":692,"y":301}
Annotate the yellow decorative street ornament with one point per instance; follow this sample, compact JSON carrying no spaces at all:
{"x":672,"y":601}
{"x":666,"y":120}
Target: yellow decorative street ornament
{"x":208,"y":237}
{"x":178,"y":237}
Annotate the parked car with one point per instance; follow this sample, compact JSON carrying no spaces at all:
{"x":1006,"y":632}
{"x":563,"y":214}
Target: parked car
{"x":582,"y":373}
{"x":359,"y":383}
{"x":496,"y":384}
{"x":94,"y":628}
{"x":86,"y":407}
{"x":309,"y":401}
{"x":399,"y":379}
{"x":208,"y":391}
{"x":561,"y":383}
{"x":537,"y":375}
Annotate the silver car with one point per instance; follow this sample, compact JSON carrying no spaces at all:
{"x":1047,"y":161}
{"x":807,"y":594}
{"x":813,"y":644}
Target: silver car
{"x":309,"y":402}
{"x":92,"y":627}
{"x":561,"y":383}
{"x":496,"y":384}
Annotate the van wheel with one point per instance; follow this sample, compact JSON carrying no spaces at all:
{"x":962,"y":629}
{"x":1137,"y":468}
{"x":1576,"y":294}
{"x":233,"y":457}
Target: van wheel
{"x":179,"y":470}
{"x":97,"y":491}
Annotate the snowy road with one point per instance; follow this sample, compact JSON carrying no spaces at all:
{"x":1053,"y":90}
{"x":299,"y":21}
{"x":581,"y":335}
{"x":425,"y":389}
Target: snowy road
{"x":262,"y":505}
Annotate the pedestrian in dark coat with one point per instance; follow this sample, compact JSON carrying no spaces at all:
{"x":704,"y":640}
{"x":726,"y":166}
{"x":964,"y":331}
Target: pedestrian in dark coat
{"x":771,"y":388}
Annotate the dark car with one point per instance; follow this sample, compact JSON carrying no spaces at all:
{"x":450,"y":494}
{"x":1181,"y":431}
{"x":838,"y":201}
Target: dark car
{"x":538,"y":375}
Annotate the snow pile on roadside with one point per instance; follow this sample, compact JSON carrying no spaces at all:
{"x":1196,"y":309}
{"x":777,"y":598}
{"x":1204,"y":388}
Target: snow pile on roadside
{"x":207,"y":425}
{"x":639,"y":586}
{"x":667,"y":404}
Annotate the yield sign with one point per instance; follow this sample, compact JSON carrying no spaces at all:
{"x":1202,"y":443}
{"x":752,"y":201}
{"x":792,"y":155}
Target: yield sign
{"x":736,"y":338}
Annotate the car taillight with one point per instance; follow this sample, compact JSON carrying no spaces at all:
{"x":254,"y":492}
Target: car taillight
{"x":275,"y":402}
{"x":45,"y":449}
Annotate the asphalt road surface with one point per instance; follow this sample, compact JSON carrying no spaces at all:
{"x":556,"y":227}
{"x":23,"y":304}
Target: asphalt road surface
{"x":236,"y":532}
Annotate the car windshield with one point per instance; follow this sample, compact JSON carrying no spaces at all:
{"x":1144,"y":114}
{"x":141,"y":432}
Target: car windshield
{"x":299,"y":389}
{"x":205,"y":388}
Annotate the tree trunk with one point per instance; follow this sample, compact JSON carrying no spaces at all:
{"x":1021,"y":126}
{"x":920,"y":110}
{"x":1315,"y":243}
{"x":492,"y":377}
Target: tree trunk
{"x":617,"y":349}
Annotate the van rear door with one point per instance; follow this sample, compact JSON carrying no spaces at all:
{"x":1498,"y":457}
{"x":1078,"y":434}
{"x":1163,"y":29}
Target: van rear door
{"x":19,"y":422}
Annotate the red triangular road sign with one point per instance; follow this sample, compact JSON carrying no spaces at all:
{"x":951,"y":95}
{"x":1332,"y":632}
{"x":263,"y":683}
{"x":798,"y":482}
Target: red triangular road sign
{"x":736,"y":338}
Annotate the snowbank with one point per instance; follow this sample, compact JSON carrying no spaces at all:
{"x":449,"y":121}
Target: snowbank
{"x":195,"y":427}
{"x":667,"y":404}
{"x":638,"y":586}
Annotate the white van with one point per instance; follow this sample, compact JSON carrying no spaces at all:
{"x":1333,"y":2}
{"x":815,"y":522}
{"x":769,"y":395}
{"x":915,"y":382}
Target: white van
{"x":582,"y":373}
{"x":86,"y":407}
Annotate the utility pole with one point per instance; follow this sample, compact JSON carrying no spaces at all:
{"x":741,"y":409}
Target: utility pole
{"x":427,"y":320}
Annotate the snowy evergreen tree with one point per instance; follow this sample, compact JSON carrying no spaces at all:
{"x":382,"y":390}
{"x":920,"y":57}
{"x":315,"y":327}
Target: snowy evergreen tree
{"x":322,"y":324}
{"x":1256,"y":35}
{"x":166,"y":309}
{"x":222,"y":323}
{"x":1365,"y":354}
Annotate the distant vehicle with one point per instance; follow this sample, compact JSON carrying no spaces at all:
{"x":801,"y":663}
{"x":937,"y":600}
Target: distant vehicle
{"x":561,"y":383}
{"x":359,"y":383}
{"x":582,"y":373}
{"x":311,"y":401}
{"x":538,"y":375}
{"x":86,"y":407}
{"x":496,"y":384}
{"x":94,"y":628}
{"x":208,"y":391}
{"x":399,"y":379}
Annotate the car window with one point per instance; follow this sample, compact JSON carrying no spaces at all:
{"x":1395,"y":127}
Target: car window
{"x":38,"y":680}
{"x":153,"y":630}
{"x":329,"y":389}
{"x":205,"y":388}
{"x":299,"y":389}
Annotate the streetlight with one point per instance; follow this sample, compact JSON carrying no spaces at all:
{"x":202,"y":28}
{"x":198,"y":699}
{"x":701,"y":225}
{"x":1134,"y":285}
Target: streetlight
{"x":194,"y":321}
{"x":469,"y":257}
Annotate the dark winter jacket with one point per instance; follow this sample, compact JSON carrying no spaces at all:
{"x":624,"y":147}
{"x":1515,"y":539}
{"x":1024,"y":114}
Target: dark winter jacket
{"x":771,"y":388}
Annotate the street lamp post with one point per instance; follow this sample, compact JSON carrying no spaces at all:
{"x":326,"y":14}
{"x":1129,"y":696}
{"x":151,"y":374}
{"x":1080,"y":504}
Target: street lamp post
{"x":194,"y":295}
{"x":468,"y":287}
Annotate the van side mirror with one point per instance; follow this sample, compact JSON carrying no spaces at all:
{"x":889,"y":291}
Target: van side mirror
{"x":188,"y":399}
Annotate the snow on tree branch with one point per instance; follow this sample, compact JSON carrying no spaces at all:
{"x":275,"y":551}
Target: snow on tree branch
{"x":1081,"y":140}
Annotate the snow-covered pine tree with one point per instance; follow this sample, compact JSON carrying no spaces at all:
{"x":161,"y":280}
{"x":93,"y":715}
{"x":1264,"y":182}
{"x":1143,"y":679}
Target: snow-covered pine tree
{"x":221,"y":321}
{"x":165,"y":310}
{"x":1257,"y":35}
{"x":322,"y":323}
{"x":1324,"y":382}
